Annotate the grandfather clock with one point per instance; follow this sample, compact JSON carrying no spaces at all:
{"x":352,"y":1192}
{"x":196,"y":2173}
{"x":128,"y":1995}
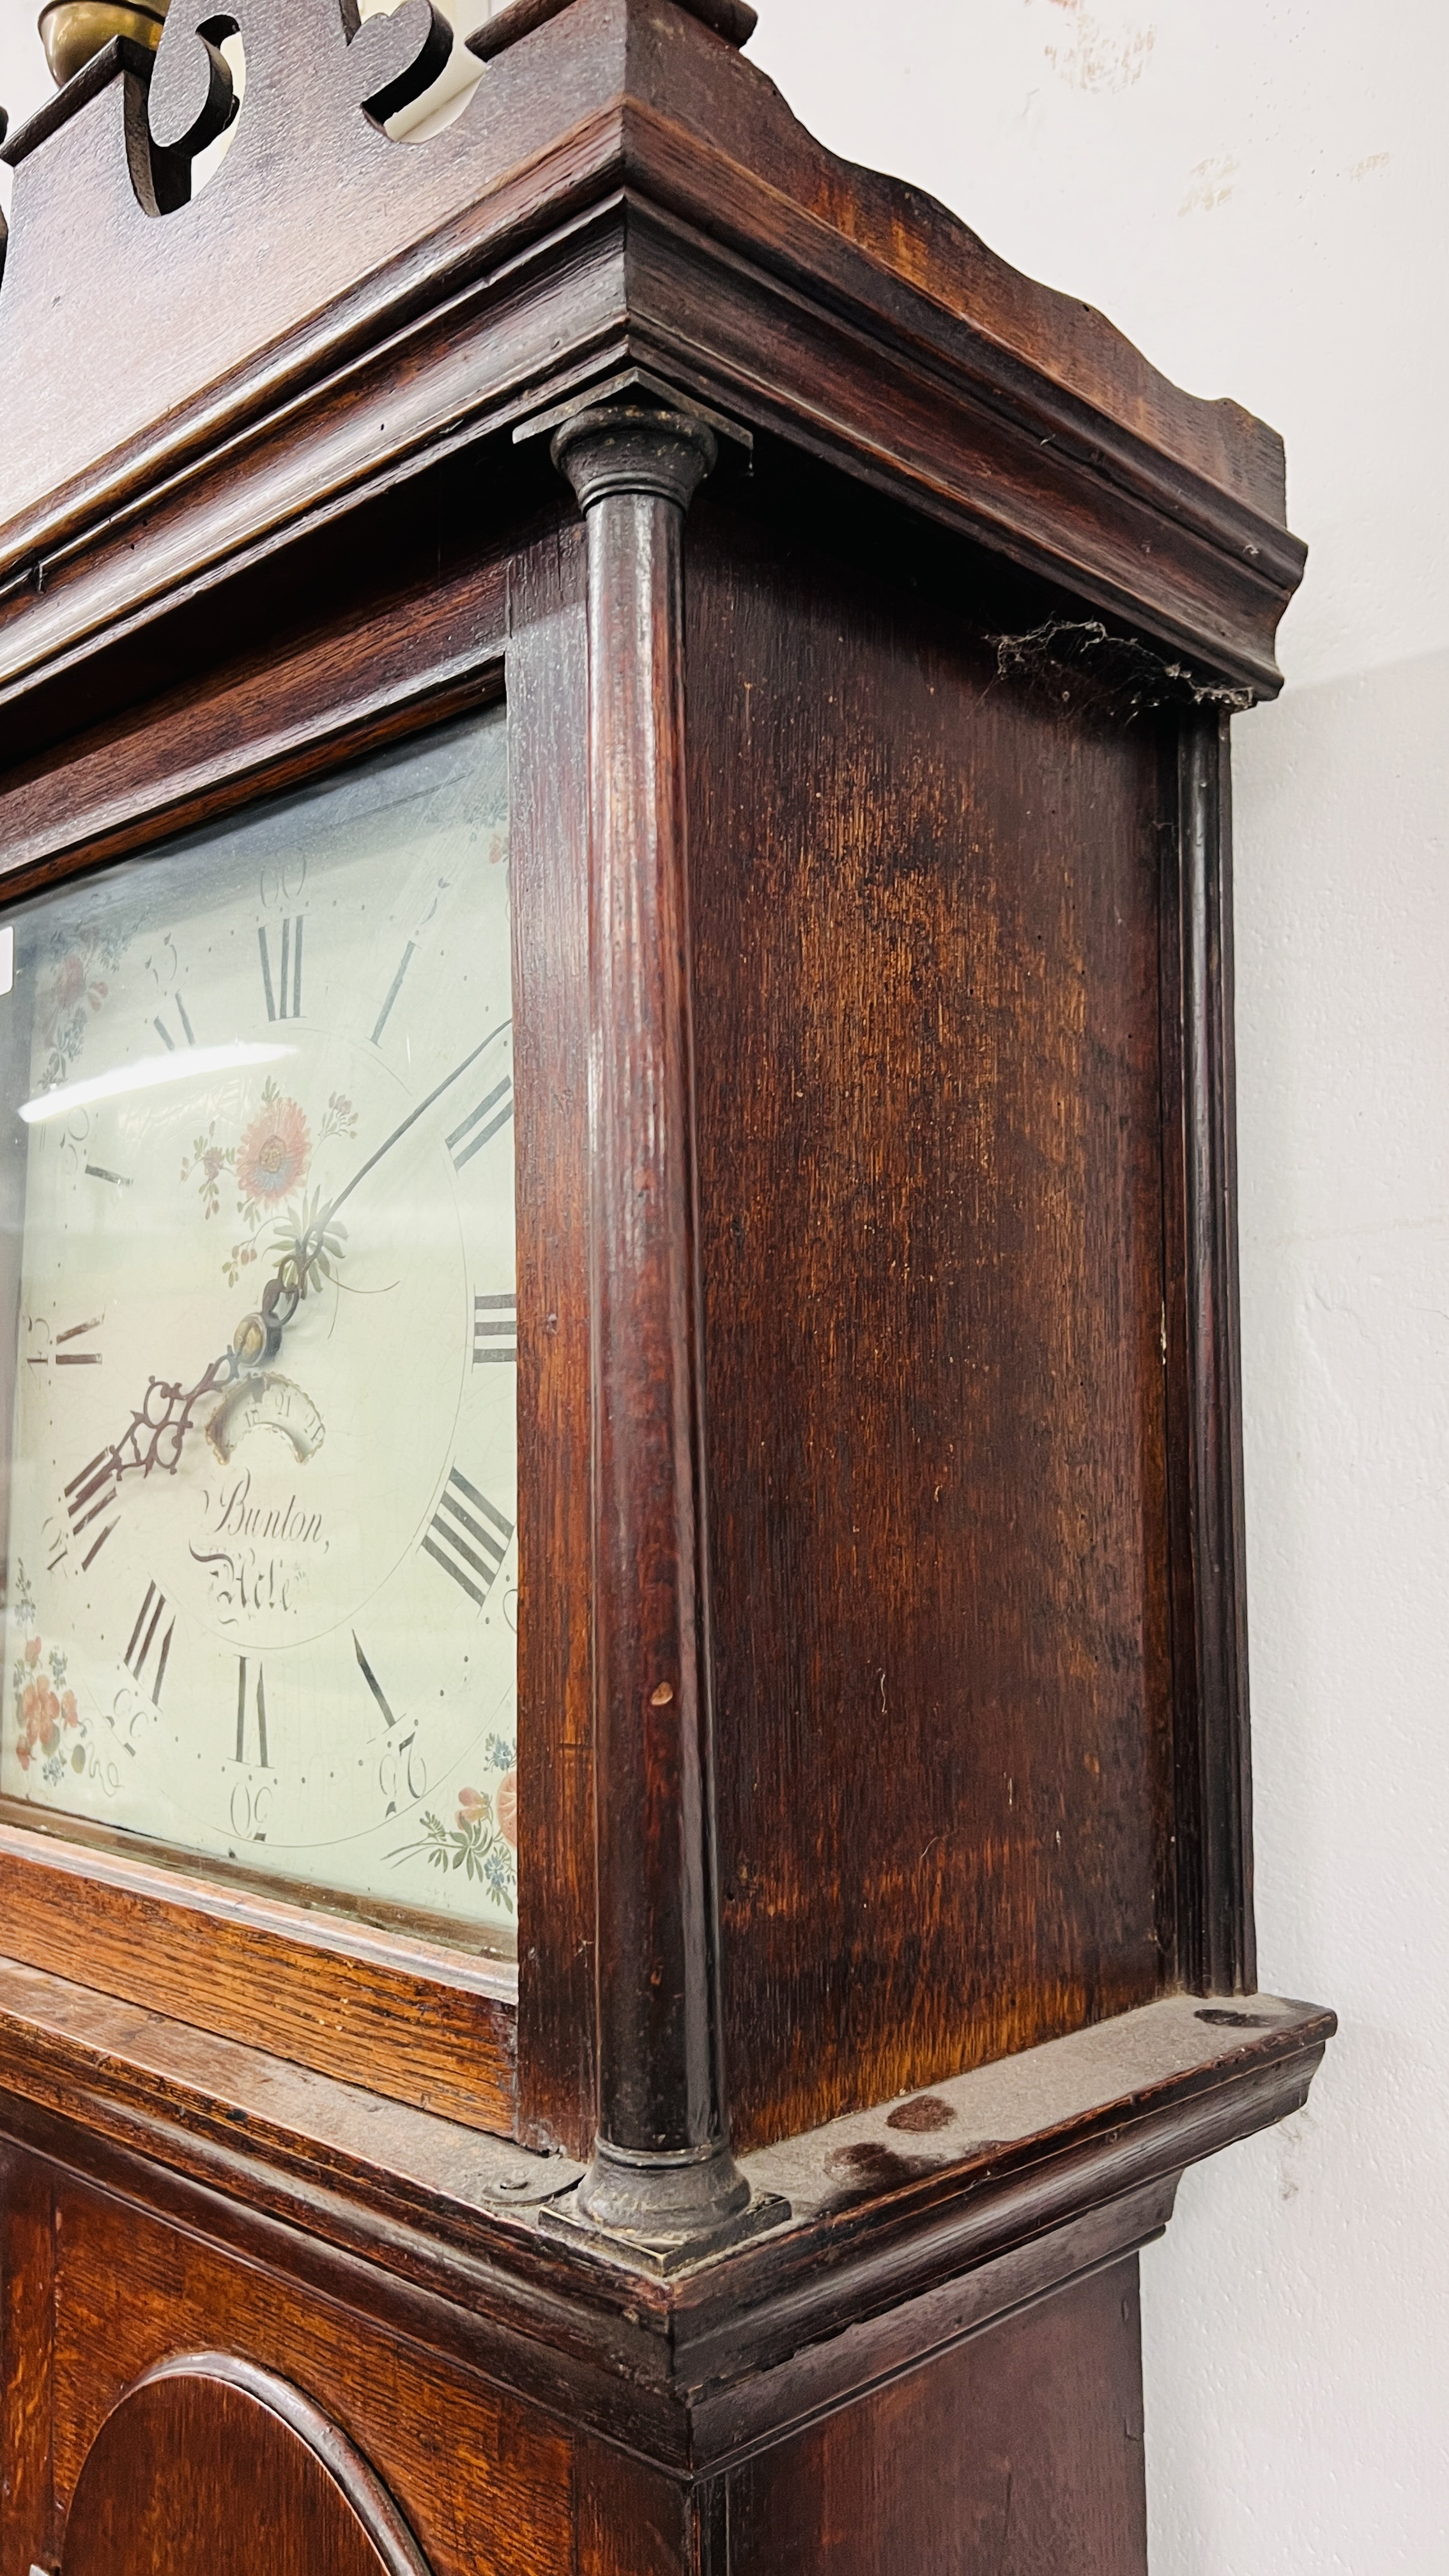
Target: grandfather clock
{"x":625,"y":1869}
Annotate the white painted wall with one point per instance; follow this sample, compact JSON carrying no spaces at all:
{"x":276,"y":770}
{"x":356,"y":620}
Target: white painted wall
{"x":1258,"y":192}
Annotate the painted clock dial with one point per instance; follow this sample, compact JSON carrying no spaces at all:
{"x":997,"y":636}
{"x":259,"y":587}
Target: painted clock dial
{"x":261,"y":1545}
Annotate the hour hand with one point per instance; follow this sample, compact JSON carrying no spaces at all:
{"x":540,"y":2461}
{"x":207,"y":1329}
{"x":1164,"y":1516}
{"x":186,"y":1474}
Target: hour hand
{"x":156,"y":1434}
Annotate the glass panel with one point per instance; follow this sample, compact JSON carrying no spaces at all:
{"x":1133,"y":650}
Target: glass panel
{"x":258,"y":1206}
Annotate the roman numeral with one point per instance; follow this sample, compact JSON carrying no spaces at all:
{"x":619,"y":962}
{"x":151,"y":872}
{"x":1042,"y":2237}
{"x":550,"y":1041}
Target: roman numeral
{"x":393,"y":990}
{"x":481,"y":1123}
{"x":468,"y":1537}
{"x":143,"y":1637}
{"x":495,"y":1329}
{"x":241,"y":1713}
{"x":77,"y":1359}
{"x":88,"y":1496}
{"x":164,"y":1034}
{"x":284,"y":998}
{"x":370,"y":1677}
{"x":64,"y":1358}
{"x":98,"y":1172}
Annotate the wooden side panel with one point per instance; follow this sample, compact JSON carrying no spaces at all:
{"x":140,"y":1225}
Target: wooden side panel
{"x":634,"y":2522}
{"x":1020,"y":2454}
{"x":27,"y":2292}
{"x":926,"y":941}
{"x":486,"y":2487}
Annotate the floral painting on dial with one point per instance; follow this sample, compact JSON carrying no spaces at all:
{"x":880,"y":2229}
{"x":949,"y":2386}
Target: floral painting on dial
{"x":73,"y":989}
{"x":49,"y":1734}
{"x":268,"y":1163}
{"x":483,"y":1837}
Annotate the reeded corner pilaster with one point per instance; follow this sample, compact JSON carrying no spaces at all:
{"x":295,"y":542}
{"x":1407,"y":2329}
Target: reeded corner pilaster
{"x":663,"y":2187}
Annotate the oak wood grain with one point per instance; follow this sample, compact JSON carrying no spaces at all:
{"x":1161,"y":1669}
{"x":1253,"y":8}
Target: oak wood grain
{"x":903,"y":2241}
{"x":662,"y":2149}
{"x":1025,"y":2453}
{"x":203,"y":2452}
{"x":631,"y":2521}
{"x":424,"y":2022}
{"x":481,"y":2487}
{"x":957,"y":658}
{"x":457,"y":283}
{"x":548,"y":857}
{"x":926,"y":902}
{"x":384,"y":198}
{"x":28,"y":2524}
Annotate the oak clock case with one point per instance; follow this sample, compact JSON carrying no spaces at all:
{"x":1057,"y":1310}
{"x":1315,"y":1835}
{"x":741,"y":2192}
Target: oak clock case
{"x":262,"y":1555}
{"x":765,"y":1519}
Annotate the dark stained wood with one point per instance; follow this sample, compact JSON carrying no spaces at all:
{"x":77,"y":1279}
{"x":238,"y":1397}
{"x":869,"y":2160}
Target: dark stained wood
{"x":548,"y":859}
{"x":479,"y":2489}
{"x":662,"y":2153}
{"x":1214,"y":1768}
{"x":952,"y":2469}
{"x":28,"y":2527}
{"x":949,"y":1204}
{"x":632,"y":2521}
{"x":927,"y":1009}
{"x":826,"y":2380}
{"x":206,"y":2452}
{"x":848,"y":310}
{"x":735,"y":20}
{"x":1049,"y":2164}
{"x":258,"y":721}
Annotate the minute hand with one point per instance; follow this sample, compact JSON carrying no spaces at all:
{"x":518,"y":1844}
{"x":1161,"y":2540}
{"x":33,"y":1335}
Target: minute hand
{"x":412,"y":1118}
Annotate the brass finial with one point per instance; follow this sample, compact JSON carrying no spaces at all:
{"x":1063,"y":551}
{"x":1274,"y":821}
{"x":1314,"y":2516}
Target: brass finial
{"x":73,"y":30}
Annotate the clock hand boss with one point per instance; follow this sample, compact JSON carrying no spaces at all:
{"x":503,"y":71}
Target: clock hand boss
{"x":152,"y":1442}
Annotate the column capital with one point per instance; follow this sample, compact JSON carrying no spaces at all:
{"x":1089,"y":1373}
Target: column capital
{"x":632,"y":448}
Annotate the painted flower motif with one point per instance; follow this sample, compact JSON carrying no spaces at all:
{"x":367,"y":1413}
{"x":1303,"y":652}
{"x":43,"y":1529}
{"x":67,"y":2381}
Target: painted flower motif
{"x":274,"y":1152}
{"x":505,"y":1807}
{"x":279,"y":1221}
{"x":74,"y":987}
{"x":480,"y":1843}
{"x":43,"y":1710}
{"x":70,"y":984}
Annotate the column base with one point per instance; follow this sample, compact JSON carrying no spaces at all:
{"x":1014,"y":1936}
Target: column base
{"x":664,"y":2253}
{"x":661,"y":2212}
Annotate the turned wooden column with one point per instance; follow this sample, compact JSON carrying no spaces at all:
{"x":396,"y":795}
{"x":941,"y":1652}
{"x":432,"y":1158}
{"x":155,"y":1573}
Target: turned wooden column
{"x":1214,"y":1768}
{"x":662,"y":2167}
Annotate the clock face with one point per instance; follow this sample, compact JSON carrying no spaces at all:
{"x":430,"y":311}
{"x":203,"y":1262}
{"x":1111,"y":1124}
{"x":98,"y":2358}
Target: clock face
{"x":262,"y":1566}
